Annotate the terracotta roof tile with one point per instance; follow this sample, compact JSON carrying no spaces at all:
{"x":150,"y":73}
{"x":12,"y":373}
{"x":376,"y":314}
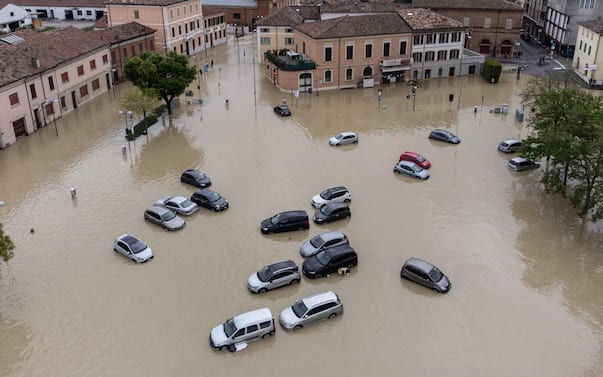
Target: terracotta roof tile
{"x":355,"y":26}
{"x":59,"y":3}
{"x":290,"y":16}
{"x":162,"y":3}
{"x":425,"y":19}
{"x":594,"y":25}
{"x":124,"y":32}
{"x":467,"y":4}
{"x":50,"y":49}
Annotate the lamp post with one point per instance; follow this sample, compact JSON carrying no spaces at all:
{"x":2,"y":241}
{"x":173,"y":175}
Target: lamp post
{"x":127,"y":114}
{"x":196,"y":58}
{"x":112,"y":73}
{"x":54,"y":117}
{"x":414,"y":96}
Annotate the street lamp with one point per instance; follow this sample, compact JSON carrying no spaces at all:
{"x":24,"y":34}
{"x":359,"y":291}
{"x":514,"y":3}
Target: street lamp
{"x":196,"y":58}
{"x":127,"y":114}
{"x":414,"y":96}
{"x":54,"y":117}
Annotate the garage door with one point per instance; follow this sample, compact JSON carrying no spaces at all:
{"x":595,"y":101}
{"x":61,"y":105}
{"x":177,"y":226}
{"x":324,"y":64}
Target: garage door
{"x":19,"y":127}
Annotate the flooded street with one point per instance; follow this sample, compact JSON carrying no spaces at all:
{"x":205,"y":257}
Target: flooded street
{"x":526,"y":274}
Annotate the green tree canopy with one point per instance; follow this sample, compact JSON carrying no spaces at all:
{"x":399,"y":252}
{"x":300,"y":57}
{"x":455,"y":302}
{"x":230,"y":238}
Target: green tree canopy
{"x":165,"y":77}
{"x":568,"y":125}
{"x":139,"y":101}
{"x":6,"y":246}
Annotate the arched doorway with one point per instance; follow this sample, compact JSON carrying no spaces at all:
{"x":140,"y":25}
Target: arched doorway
{"x":305,"y":82}
{"x":506,"y":48}
{"x":367,"y":72}
{"x":485,"y":46}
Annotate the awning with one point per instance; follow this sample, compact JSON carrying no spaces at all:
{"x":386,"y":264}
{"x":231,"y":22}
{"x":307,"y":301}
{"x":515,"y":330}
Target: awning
{"x":395,"y":68}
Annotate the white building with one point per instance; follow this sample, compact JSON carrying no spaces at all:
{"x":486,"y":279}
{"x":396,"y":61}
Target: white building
{"x":13,"y":17}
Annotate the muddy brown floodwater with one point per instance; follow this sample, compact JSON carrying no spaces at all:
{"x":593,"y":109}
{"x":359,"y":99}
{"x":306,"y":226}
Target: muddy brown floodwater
{"x":527,"y":275}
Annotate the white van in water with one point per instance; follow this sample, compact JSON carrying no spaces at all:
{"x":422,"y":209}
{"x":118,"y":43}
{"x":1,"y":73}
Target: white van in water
{"x":236,"y":332}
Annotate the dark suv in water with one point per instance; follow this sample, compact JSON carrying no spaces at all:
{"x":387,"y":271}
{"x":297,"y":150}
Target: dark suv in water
{"x":329,"y":261}
{"x":285,"y":222}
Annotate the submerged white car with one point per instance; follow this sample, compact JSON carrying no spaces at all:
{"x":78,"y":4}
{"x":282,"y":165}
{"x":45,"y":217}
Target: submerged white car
{"x":133,"y":248}
{"x":178,"y":204}
{"x":344,"y":138}
{"x":310,"y":310}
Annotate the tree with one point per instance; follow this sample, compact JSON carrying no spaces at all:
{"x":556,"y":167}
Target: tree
{"x":165,"y":77}
{"x":568,"y":125}
{"x":139,"y":101}
{"x":6,"y":246}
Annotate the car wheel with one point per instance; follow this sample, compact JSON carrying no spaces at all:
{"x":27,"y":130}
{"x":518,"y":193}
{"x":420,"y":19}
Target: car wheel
{"x":355,"y":141}
{"x":263,"y":290}
{"x":297,"y":327}
{"x":347,"y":201}
{"x":232,"y":348}
{"x":294,"y":281}
{"x":417,"y":177}
{"x":114,"y":249}
{"x":332,"y":315}
{"x":404,"y":276}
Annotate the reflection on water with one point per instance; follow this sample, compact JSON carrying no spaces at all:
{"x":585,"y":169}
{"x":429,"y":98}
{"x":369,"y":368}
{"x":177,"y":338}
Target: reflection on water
{"x":525,"y":272}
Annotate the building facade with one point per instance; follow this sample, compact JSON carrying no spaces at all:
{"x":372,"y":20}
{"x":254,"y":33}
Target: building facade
{"x":63,"y":9}
{"x":47,"y":75}
{"x":241,"y":13}
{"x":179,"y":23}
{"x":588,"y":54}
{"x":493,"y":26}
{"x":13,"y":17}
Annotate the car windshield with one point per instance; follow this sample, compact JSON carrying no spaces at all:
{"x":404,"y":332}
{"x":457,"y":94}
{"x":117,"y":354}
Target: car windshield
{"x":197,"y":175}
{"x":137,"y":246}
{"x":229,"y":327}
{"x":299,"y":308}
{"x":325,"y":194}
{"x":417,"y":168}
{"x":275,"y":219}
{"x":213,"y":196}
{"x":317,"y":241}
{"x":169,"y":215}
{"x":186,"y":203}
{"x":340,"y":136}
{"x":435,"y":274}
{"x":326,"y":210}
{"x":323,"y":257}
{"x":264,"y":274}
{"x":420,"y":158}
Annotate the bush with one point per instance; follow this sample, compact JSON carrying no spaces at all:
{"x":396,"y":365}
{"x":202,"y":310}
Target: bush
{"x":141,"y":127}
{"x":492,"y":70}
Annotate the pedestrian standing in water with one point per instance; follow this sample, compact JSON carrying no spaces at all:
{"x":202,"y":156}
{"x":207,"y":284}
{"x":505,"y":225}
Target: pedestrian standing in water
{"x":212,"y":63}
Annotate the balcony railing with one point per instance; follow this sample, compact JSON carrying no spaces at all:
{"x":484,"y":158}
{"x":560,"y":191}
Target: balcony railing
{"x":291,"y":62}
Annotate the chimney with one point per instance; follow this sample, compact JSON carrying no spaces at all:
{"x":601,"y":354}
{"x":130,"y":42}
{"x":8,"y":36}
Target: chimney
{"x":35,"y":62}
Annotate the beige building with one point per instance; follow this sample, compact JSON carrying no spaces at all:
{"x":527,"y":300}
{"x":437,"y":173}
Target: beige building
{"x":344,"y":52}
{"x":589,"y":52}
{"x":46,"y":75}
{"x":179,"y":23}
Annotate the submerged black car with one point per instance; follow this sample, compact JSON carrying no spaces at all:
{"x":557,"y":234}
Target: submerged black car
{"x":329,"y":261}
{"x":195,"y":178}
{"x":282,"y":110}
{"x":209,"y":199}
{"x":332,"y":212}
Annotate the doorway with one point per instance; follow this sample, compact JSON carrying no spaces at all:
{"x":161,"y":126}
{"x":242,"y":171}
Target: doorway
{"x":73,"y":99}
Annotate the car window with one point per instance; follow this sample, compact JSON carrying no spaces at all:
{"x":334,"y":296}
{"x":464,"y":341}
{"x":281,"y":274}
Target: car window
{"x":123,"y":246}
{"x":281,"y":275}
{"x":171,"y":204}
{"x":252,"y":328}
{"x":332,"y":242}
{"x":264,"y":325}
{"x":239,"y":333}
{"x":315,"y":310}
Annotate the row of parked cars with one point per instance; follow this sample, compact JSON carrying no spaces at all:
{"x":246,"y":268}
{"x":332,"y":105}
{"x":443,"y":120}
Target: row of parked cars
{"x":165,"y":213}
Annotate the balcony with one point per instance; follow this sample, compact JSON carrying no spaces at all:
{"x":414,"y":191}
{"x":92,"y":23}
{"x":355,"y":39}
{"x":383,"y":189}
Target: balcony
{"x":290,"y":61}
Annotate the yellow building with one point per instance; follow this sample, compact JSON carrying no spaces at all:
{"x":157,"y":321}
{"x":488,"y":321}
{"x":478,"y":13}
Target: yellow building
{"x":589,"y":52}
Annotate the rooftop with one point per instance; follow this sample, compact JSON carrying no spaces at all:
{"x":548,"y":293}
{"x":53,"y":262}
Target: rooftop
{"x":291,"y":16}
{"x":594,"y":25}
{"x":124,"y":32}
{"x":59,"y":3}
{"x":426,"y":19}
{"x":467,"y":4}
{"x":18,"y":61}
{"x":161,"y":3}
{"x":355,"y":26}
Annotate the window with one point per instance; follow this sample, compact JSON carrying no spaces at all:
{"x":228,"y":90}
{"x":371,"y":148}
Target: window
{"x":65,"y":77}
{"x":430,"y":39}
{"x":95,"y":85}
{"x":264,"y":325}
{"x":12,"y":14}
{"x":171,"y":13}
{"x":442,"y":54}
{"x":348,"y":74}
{"x":429,"y":56}
{"x":252,"y":328}
{"x":105,"y":59}
{"x":88,"y":13}
{"x":368,"y":51}
{"x":288,"y":30}
{"x":328,"y":54}
{"x":417,"y":56}
{"x":328,"y":76}
{"x":456,"y":37}
{"x":440,"y":72}
{"x":589,"y":49}
{"x":84,"y":91}
{"x":403,"y":48}
{"x":63,"y":102}
{"x":32,"y":90}
{"x":236,"y":16}
{"x":185,"y":28}
{"x":80,"y":70}
{"x":454,"y":54}
{"x":289,"y":41}
{"x":14,"y":99}
{"x":265,"y":41}
{"x":443,"y":38}
{"x":241,"y":332}
{"x":125,"y":52}
{"x":184,"y":10}
{"x":133,"y":50}
{"x":50,"y":82}
{"x":173,"y":32}
{"x":136,"y":14}
{"x":140,"y":47}
{"x":349,"y":52}
{"x":509,"y":23}
{"x":386,"y":47}
{"x":418,"y":39}
{"x":177,"y":12}
{"x":79,"y":12}
{"x":179,"y":29}
{"x":92,"y":64}
{"x":264,"y":30}
{"x":49,"y":109}
{"x":487,"y":22}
